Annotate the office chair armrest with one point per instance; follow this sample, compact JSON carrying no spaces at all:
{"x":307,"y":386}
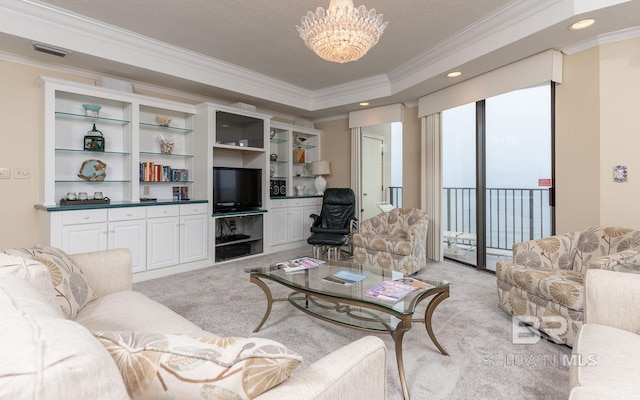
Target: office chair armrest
{"x":316,"y":220}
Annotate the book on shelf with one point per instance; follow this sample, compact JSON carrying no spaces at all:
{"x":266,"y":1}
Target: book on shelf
{"x":299,"y":264}
{"x":395,"y":290}
{"x":152,"y":172}
{"x":345,"y":277}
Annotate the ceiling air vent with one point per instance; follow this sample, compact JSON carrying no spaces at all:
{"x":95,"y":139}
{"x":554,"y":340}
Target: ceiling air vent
{"x":45,"y":48}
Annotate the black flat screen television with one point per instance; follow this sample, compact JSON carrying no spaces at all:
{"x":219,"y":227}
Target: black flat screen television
{"x":236,"y":189}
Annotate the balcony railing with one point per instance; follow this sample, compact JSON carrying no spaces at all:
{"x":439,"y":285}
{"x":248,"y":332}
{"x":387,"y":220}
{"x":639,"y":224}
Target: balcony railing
{"x":512,"y":215}
{"x":395,"y":196}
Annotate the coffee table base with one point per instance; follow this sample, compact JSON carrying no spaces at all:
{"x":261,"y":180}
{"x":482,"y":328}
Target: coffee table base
{"x":344,"y":306}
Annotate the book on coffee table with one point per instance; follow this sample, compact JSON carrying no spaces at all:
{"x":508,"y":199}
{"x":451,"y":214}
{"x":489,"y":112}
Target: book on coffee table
{"x":345,"y":277}
{"x":299,"y":264}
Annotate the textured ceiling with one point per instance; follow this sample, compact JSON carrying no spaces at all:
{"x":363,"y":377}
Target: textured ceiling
{"x":250,"y":51}
{"x":261,"y":35}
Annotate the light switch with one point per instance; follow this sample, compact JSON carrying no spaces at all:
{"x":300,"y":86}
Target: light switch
{"x":5,"y":173}
{"x":21,"y":173}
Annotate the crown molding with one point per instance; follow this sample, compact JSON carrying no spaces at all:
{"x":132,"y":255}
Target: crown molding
{"x":372,"y":87}
{"x":506,"y":25}
{"x":611,"y":37}
{"x":40,"y":22}
{"x":47,"y":24}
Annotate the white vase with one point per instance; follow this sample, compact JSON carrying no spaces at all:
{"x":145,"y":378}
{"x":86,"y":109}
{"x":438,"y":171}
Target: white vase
{"x":321,"y":184}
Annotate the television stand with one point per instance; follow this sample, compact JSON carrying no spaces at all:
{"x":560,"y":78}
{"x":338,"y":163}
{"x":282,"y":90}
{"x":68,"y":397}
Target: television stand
{"x":230,"y":243}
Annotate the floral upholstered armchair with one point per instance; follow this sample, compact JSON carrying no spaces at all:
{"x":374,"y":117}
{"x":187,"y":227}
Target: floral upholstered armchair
{"x":544,"y":285}
{"x":395,"y":240}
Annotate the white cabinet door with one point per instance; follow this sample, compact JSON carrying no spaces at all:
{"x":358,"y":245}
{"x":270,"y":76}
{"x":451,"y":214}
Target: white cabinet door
{"x":130,"y":235}
{"x":83,"y":238}
{"x":295,"y":224}
{"x":163,"y":242}
{"x":193,"y":238}
{"x":307,"y":221}
{"x":279,"y":229}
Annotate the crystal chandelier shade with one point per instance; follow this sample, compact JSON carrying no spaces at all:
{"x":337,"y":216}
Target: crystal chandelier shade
{"x":342,"y":33}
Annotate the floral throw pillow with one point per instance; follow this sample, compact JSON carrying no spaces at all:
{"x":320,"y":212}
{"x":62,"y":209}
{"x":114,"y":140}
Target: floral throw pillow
{"x":71,"y":288}
{"x":160,"y":366}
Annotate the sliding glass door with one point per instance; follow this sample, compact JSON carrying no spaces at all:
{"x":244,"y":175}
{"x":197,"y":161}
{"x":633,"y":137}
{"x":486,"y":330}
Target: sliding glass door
{"x":497,"y":175}
{"x":459,"y":183}
{"x":518,"y":170}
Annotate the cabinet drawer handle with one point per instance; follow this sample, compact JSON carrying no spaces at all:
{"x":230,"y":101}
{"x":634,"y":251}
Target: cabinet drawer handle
{"x":86,"y":217}
{"x":128,"y":214}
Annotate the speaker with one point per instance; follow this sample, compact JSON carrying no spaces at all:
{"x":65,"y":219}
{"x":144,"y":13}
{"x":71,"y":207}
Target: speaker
{"x":278,"y":188}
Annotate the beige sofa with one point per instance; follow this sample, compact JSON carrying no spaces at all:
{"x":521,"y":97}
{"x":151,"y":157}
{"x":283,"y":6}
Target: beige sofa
{"x":605,"y":357}
{"x":72,"y":328}
{"x":544,"y":285}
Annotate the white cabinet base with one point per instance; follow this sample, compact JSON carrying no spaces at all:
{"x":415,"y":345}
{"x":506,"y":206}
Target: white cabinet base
{"x":290,"y":222}
{"x":84,"y":238}
{"x":163,"y":239}
{"x":131,"y":235}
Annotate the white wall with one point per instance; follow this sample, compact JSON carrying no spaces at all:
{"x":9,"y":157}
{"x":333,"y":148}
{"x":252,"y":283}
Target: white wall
{"x":620,"y":132}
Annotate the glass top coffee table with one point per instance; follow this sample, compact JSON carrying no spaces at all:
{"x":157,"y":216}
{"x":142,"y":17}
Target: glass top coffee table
{"x":347,"y":305}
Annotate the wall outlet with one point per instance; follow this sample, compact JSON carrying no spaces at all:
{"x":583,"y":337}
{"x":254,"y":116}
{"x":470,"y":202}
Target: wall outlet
{"x":145,"y":190}
{"x":5,"y":173}
{"x":21,"y":173}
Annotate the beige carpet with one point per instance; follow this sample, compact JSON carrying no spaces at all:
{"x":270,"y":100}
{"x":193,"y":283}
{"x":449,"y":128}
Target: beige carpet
{"x":483,"y":361}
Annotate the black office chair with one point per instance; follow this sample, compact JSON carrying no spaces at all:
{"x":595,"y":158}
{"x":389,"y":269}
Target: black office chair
{"x":331,"y":231}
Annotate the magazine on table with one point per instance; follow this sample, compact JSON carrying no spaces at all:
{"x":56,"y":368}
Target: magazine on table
{"x":299,"y":264}
{"x":414,"y":282}
{"x":395,"y":290}
{"x":345,"y":277}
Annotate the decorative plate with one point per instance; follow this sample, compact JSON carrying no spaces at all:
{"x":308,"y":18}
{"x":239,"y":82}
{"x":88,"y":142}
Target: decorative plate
{"x":93,"y":170}
{"x":272,"y":171}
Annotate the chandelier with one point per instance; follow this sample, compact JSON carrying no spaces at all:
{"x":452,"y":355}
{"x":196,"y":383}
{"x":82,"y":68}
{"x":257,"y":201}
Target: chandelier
{"x":342,"y":33}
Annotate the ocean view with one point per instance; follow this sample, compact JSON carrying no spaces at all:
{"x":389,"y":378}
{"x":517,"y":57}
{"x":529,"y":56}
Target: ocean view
{"x":513,"y":215}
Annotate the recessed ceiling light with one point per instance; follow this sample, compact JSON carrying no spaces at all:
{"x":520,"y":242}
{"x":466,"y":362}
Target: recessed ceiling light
{"x":576,"y":26}
{"x":364,"y":103}
{"x":454,"y":74}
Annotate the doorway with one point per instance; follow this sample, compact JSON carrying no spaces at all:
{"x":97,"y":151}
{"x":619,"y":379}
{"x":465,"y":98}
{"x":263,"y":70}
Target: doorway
{"x":380,"y":169}
{"x":372,"y":175}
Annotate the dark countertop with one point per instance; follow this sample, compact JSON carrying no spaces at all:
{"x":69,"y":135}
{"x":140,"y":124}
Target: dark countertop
{"x":116,"y":204}
{"x":306,"y":196}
